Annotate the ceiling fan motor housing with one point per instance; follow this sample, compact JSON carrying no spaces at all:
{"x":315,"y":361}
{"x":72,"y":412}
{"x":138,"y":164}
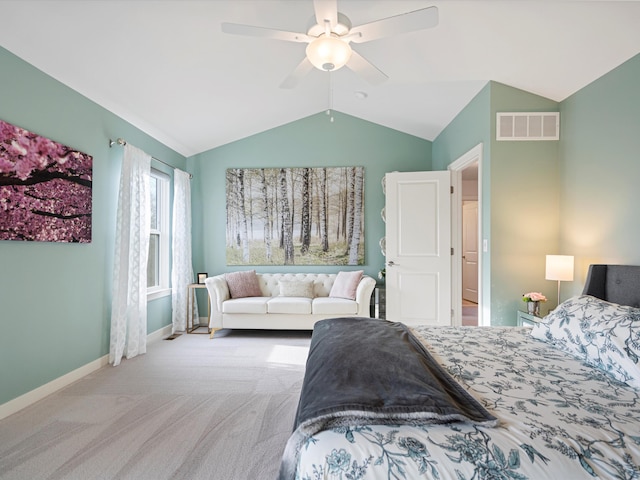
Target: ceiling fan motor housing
{"x":341,"y":28}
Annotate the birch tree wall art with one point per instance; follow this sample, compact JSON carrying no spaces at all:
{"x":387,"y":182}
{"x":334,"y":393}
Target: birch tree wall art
{"x":295,"y":216}
{"x":45,"y":189}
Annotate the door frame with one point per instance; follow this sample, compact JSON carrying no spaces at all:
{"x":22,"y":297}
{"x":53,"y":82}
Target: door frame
{"x":456,"y":168}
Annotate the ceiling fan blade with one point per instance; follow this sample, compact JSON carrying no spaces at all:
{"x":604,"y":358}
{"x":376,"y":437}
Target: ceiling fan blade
{"x":366,"y":69}
{"x":251,"y":31}
{"x":326,"y":10}
{"x":294,"y":77}
{"x":406,"y":22}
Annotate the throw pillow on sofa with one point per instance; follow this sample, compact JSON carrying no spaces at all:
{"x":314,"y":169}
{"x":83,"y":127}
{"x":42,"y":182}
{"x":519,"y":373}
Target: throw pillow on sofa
{"x":346,"y":284}
{"x":243,"y":284}
{"x":296,"y":288}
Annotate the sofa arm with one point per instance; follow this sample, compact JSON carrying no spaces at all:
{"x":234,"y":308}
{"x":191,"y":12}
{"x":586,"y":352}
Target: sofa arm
{"x":218,"y":293}
{"x":363,"y":295}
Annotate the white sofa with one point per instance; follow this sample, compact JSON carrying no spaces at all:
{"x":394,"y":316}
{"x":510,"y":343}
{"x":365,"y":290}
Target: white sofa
{"x":271,"y":311}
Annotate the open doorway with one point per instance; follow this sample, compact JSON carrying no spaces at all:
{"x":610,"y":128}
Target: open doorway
{"x":470,"y":252}
{"x":466,"y":238}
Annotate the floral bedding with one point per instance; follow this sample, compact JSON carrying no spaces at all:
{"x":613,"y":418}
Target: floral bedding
{"x":603,"y":334}
{"x":559,"y":418}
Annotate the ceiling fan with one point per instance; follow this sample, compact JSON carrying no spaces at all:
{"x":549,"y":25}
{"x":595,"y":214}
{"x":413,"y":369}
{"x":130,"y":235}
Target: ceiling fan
{"x":330,"y":37}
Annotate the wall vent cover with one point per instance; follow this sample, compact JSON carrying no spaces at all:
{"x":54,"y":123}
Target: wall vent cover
{"x":513,"y":126}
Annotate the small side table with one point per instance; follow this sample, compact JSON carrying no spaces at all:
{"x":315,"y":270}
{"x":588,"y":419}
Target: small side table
{"x":379,"y":302}
{"x":526,"y":319}
{"x":191,"y":327}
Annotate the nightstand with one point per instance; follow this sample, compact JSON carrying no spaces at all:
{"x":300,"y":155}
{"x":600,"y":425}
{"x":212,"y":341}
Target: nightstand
{"x":378,"y":301}
{"x":526,"y":319}
{"x":191,"y":326}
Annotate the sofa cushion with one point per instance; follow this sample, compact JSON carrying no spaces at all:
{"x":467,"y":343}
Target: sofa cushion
{"x":334,"y":306}
{"x":246,"y":305}
{"x":243,"y":284}
{"x":346,"y":284}
{"x":296,"y":305}
{"x":296,"y":288}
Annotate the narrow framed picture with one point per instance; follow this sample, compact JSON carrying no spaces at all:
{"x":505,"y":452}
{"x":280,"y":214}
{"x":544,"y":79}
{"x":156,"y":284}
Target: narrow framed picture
{"x":202,"y":277}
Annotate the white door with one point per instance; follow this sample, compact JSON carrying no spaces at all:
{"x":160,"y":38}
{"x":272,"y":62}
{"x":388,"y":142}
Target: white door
{"x":418,"y":247}
{"x":470,"y":251}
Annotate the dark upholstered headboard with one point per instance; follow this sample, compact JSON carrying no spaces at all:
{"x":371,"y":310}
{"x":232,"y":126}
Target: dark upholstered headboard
{"x":614,"y":283}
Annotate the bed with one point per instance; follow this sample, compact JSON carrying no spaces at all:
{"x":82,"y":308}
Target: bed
{"x":559,"y":400}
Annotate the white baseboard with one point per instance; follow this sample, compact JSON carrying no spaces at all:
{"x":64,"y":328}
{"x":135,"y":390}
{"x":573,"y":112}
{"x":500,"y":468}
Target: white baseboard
{"x":203,"y":321}
{"x":159,"y":334}
{"x":29,"y":398}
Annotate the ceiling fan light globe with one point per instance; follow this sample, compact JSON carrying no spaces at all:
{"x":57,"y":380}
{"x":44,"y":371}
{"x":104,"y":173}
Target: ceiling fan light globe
{"x":328,"y":53}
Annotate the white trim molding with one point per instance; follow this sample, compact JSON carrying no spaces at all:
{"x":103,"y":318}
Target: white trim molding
{"x":456,"y":167}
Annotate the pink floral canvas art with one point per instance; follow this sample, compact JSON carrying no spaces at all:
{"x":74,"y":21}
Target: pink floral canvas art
{"x":45,"y":189}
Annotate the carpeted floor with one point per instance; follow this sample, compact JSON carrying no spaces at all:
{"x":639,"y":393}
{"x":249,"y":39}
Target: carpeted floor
{"x":470,"y":315}
{"x":191,"y":408}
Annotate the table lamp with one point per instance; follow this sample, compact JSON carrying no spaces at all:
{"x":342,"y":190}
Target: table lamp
{"x":560,"y":268}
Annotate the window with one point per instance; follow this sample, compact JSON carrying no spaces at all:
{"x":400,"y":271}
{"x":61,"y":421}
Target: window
{"x":158,"y":263}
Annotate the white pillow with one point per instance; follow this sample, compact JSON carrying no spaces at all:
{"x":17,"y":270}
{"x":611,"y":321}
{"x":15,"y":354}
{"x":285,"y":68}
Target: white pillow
{"x":619,"y":342}
{"x":296,"y":288}
{"x":346,"y":285}
{"x":566,"y":327}
{"x":603,"y":334}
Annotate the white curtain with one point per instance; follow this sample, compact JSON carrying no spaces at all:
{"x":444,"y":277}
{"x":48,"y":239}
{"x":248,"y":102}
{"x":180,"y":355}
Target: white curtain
{"x":182,"y":269}
{"x":129,"y":305}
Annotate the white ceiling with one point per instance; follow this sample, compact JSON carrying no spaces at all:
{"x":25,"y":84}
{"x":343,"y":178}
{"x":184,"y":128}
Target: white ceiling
{"x":166,"y":67}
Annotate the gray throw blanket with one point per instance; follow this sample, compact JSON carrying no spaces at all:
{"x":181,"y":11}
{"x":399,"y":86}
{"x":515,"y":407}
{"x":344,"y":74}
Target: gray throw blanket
{"x":365,"y":371}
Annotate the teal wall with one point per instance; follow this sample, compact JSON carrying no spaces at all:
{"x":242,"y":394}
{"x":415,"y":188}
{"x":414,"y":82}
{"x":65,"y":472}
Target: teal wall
{"x":472,"y":126}
{"x":600,"y":151}
{"x":520,"y":211}
{"x":55,"y":299}
{"x":469,"y":128}
{"x":577,"y":196}
{"x":314,"y":142}
{"x":524,"y":209}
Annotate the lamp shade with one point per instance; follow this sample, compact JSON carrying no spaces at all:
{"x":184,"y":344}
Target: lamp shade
{"x":559,"y":267}
{"x":328,"y":53}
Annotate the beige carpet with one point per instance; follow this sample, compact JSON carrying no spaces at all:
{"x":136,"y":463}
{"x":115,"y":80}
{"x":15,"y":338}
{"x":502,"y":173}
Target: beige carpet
{"x":470,"y":314}
{"x":191,"y":408}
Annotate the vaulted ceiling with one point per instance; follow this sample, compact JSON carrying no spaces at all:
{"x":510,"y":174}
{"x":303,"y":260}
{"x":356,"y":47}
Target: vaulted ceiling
{"x":167,"y":68}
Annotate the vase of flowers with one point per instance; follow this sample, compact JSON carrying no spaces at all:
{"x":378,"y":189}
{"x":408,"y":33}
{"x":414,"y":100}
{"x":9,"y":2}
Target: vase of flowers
{"x":533,"y":299}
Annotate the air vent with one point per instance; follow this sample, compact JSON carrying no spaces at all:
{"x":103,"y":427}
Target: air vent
{"x":527,"y":126}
